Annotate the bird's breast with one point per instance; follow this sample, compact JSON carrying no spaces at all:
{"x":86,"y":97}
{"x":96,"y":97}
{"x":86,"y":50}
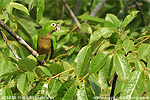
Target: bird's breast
{"x":44,"y":44}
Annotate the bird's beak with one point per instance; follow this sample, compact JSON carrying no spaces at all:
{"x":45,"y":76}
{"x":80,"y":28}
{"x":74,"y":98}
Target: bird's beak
{"x":57,"y":29}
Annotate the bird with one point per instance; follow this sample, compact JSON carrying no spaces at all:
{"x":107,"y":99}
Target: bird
{"x":45,"y":42}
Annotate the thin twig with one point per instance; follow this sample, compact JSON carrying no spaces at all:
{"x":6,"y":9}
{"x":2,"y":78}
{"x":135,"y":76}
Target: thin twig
{"x":141,"y":13}
{"x":63,"y":10}
{"x":60,"y":56}
{"x":60,"y":74}
{"x":72,"y":14}
{"x":141,"y":41}
{"x":19,"y":39}
{"x":90,"y":8}
{"x":15,"y":55}
{"x":77,"y":7}
{"x":125,"y":7}
{"x":97,"y":8}
{"x":113,"y":86}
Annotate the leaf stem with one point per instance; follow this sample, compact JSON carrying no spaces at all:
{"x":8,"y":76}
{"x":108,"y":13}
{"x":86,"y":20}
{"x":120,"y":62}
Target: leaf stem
{"x":9,"y":84}
{"x":82,"y":79}
{"x":56,"y":58}
{"x":60,"y":74}
{"x":142,"y":41}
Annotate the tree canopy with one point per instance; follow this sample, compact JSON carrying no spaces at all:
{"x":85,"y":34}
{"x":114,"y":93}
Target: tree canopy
{"x":102,"y":50}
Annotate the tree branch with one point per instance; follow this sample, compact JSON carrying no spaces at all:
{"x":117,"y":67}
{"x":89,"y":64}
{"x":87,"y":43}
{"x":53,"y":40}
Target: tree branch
{"x":72,"y":14}
{"x":15,"y":55}
{"x":97,"y":8}
{"x":19,"y":39}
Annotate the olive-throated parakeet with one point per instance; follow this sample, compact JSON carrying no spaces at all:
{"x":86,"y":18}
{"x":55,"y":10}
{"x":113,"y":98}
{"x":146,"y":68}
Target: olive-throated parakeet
{"x":45,"y":42}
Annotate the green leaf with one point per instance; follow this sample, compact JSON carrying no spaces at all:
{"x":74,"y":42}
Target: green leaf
{"x":22,"y":83}
{"x":63,"y":41}
{"x":54,"y":42}
{"x":31,"y":5}
{"x":81,"y":93}
{"x":64,"y":87}
{"x":118,"y":87}
{"x":6,"y":93}
{"x":148,"y":65}
{"x":69,"y":95}
{"x":128,"y":45}
{"x":28,"y":28}
{"x":19,"y":7}
{"x":34,"y":45}
{"x":7,"y":53}
{"x":138,"y":65}
{"x":20,"y":50}
{"x":147,"y":86}
{"x":95,"y":45}
{"x":30,"y":76}
{"x":26,"y":64}
{"x":32,"y":57}
{"x":63,"y":31}
{"x":55,"y":68}
{"x":129,"y":18}
{"x":95,"y":36}
{"x":82,"y":60}
{"x":4,"y":3}
{"x":111,"y":19}
{"x":98,"y":62}
{"x":114,"y":38}
{"x":37,"y":88}
{"x":103,"y":46}
{"x":6,"y":66}
{"x":122,"y":67}
{"x":105,"y":32}
{"x":53,"y":88}
{"x":45,"y":70}
{"x":40,"y":9}
{"x":41,"y":57}
{"x":89,"y":93}
{"x":2,"y":44}
{"x":66,"y":65}
{"x":42,"y":91}
{"x":104,"y":73}
{"x":143,"y":51}
{"x":95,"y":85}
{"x":85,"y":28}
{"x":90,"y":18}
{"x":12,"y":73}
{"x":134,"y":86}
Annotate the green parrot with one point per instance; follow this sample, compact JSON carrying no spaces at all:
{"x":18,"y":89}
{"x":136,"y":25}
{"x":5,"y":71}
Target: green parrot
{"x":45,"y":42}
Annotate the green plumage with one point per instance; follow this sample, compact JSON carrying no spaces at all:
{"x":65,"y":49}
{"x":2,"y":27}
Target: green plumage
{"x":43,"y":43}
{"x":47,"y":28}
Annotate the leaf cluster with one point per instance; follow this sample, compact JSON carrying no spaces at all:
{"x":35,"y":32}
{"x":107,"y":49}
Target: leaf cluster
{"x":85,"y":61}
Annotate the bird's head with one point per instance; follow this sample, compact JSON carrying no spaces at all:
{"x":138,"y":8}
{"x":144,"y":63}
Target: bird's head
{"x":50,"y":27}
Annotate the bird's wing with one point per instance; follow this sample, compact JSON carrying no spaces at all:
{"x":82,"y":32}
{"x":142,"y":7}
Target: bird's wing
{"x":54,"y":42}
{"x":35,"y":37}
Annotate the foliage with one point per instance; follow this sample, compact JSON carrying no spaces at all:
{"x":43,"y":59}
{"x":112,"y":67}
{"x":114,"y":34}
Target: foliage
{"x":84,"y":62}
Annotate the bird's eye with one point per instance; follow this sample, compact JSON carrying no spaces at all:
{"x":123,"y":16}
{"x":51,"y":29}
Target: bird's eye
{"x":53,"y":24}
